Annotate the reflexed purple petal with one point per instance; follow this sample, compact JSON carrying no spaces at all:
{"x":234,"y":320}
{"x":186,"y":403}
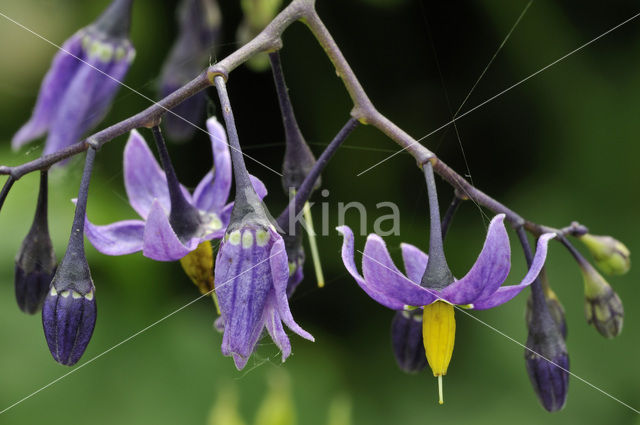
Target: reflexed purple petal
{"x":144,"y":180}
{"x":119,"y":238}
{"x":213,"y":191}
{"x":242,"y":281}
{"x":415,"y":262}
{"x":56,"y":81}
{"x":258,"y":186}
{"x":506,"y":293}
{"x":280,"y":273}
{"x":273,"y":323}
{"x":489,"y":271}
{"x":385,"y":299}
{"x":160,"y":242}
{"x":106,"y":88}
{"x":381,"y":274}
{"x":71,"y":119}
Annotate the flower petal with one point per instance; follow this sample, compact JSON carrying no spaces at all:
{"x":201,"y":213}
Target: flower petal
{"x":119,"y":238}
{"x":106,"y":88}
{"x":55,"y":83}
{"x":71,"y":117}
{"x":489,"y":271}
{"x":280,"y":273}
{"x":506,"y":293}
{"x":213,"y":191}
{"x":382,"y":274}
{"x":273,"y":323}
{"x":385,"y":299}
{"x":160,"y":242}
{"x":415,"y":262}
{"x":243,"y":282}
{"x":144,"y":180}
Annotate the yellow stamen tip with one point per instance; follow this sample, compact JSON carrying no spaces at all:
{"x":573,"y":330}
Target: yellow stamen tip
{"x":315,"y":256}
{"x":440,"y":399}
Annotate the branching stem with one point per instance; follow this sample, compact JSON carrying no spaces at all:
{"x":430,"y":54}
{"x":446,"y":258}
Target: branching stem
{"x":269,"y":40}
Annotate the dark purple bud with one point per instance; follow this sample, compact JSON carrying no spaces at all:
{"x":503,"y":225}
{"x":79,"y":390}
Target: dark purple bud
{"x":36,"y":260}
{"x":406,"y":340}
{"x":553,"y":304}
{"x":68,"y":318}
{"x":547,"y":366}
{"x":115,"y":21}
{"x":200,"y":23}
{"x":546,"y":357}
{"x":69,"y":310}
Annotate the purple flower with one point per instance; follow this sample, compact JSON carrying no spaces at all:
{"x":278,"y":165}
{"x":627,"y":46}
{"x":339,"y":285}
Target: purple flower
{"x":479,"y":289}
{"x":251,"y":278}
{"x":147,"y":188}
{"x":433,"y":288}
{"x":75,"y":94}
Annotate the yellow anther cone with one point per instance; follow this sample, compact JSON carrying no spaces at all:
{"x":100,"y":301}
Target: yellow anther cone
{"x":198,"y":265}
{"x":439,"y":334}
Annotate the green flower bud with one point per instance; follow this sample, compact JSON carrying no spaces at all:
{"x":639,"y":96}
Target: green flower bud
{"x":610,"y":255}
{"x":602,"y":306}
{"x":257,"y":15}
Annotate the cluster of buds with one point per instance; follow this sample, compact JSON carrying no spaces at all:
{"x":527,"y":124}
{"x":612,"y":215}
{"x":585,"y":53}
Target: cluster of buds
{"x":546,"y":355}
{"x":602,"y":306}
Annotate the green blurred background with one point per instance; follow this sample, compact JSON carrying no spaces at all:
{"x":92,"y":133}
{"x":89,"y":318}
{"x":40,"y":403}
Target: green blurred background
{"x":560,"y":147}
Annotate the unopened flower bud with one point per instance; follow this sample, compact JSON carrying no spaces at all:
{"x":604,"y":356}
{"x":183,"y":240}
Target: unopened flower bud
{"x":36,"y":261}
{"x":406,"y":340}
{"x":200,"y":23}
{"x":610,"y":255}
{"x":69,"y":310}
{"x":68,"y":318}
{"x":602,"y":306}
{"x":553,"y":304}
{"x":547,"y":364}
{"x":546,"y":357}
